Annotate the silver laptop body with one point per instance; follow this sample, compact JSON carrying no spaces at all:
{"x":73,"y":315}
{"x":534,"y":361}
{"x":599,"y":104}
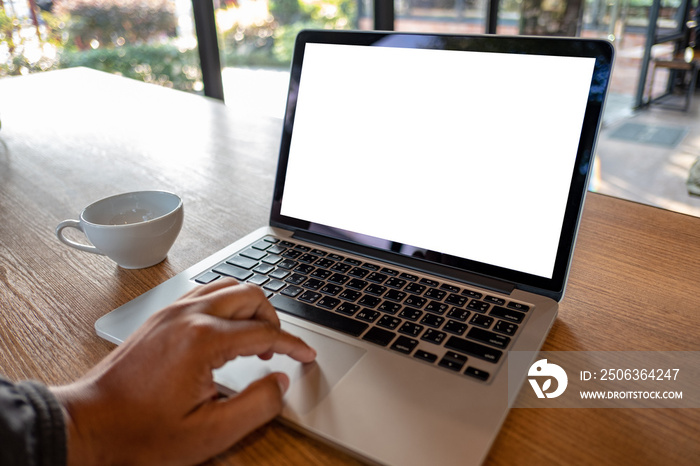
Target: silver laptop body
{"x":427,"y":199}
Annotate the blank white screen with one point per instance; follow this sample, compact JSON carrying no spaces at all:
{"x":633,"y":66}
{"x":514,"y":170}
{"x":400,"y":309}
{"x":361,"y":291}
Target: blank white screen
{"x":465,"y":153}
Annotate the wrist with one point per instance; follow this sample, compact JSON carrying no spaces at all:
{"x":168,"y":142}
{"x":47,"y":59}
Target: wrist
{"x":78,"y":447}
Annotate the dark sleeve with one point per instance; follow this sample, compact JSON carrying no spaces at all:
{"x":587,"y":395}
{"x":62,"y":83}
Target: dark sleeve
{"x":32,"y":428}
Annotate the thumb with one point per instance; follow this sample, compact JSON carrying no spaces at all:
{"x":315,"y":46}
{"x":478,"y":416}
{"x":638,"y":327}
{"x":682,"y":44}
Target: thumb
{"x":258,"y":404}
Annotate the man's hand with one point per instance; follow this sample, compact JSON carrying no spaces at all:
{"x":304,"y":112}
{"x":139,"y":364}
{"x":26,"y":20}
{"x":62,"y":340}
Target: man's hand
{"x":153,"y":399}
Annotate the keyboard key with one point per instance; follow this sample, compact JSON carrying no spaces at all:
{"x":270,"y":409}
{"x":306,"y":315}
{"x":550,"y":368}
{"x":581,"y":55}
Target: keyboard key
{"x":458,"y":328}
{"x":389,"y":322}
{"x":434,"y":293}
{"x":369,"y":301}
{"x":410,"y":313}
{"x":432,"y":320}
{"x":276,"y":249}
{"x":313,"y":284}
{"x":309,"y":296}
{"x":358,"y":272}
{"x":472,"y":294}
{"x":518,"y":306}
{"x":482,"y":320}
{"x":272,"y":259}
{"x":254,"y":254}
{"x":292,"y":291}
{"x":389,"y":271}
{"x":453,"y":361}
{"x":296,"y":279}
{"x":425,"y":356}
{"x":308,"y":258}
{"x":404,"y":345}
{"x":473,"y":349}
{"x":262,"y":245}
{"x":350,"y":295}
{"x":450,"y":288}
{"x":429,"y":282}
{"x":291,"y":253}
{"x":319,"y":316}
{"x":394,"y":282}
{"x":508,"y":328}
{"x":321,"y":274}
{"x":479,"y":306}
{"x":436,"y":307}
{"x":495,"y":300}
{"x":409,"y":276}
{"x":357,"y":284}
{"x":348,"y":309}
{"x":484,"y":336}
{"x":415,"y":288}
{"x":354,"y":262}
{"x":456,"y":300}
{"x":325,"y":263}
{"x":458,"y":314}
{"x":409,"y":328}
{"x":264,"y":268}
{"x":258,"y":279}
{"x":288,"y":264}
{"x":507,"y":314}
{"x":207,"y":277}
{"x":395,"y":295}
{"x":274,"y":285}
{"x":328,"y":302}
{"x":415,"y":301}
{"x":375,"y":289}
{"x":376,"y":277}
{"x":233,"y":271}
{"x":338,"y":278}
{"x":279,"y":274}
{"x":302,"y":248}
{"x":389,"y":307}
{"x":433,"y":336}
{"x":341,"y":267}
{"x":368,"y":315}
{"x":331,"y":289}
{"x":477,"y":373}
{"x":372,"y":267}
{"x":379,"y":336}
{"x":304,"y":268}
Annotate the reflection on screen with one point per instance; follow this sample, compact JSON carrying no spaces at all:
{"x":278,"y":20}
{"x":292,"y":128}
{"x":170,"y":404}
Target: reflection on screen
{"x":466,"y":153}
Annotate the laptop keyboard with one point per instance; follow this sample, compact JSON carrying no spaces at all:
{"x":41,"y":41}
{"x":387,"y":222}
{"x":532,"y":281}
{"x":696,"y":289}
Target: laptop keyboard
{"x":453,"y":327}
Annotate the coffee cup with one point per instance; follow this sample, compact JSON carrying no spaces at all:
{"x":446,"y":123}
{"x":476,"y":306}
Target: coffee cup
{"x":135,"y":230}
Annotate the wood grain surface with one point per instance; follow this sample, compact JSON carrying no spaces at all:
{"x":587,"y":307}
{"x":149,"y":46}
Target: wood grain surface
{"x":73,"y":136}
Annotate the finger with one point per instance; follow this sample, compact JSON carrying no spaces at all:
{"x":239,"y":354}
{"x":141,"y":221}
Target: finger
{"x":231,"y":339}
{"x":235,"y":301}
{"x":202,"y":290}
{"x":233,"y":418}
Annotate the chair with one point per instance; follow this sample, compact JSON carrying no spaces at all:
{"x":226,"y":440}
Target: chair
{"x":684,"y":67}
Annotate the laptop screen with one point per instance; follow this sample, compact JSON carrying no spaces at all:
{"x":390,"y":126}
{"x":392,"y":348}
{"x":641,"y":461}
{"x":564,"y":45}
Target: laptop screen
{"x":462,"y":152}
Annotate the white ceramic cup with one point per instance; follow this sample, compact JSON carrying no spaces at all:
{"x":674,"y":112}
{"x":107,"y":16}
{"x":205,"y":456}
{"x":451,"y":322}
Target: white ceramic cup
{"x":135,"y":230}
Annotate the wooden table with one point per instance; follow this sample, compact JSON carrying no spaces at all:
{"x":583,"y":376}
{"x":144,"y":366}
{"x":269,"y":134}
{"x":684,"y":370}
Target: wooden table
{"x":70,"y":137}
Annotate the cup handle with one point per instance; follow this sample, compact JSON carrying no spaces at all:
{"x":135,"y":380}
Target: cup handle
{"x":74,"y":224}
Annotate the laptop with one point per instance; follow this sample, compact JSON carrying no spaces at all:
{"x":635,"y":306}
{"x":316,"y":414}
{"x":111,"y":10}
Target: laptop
{"x":428,"y":194}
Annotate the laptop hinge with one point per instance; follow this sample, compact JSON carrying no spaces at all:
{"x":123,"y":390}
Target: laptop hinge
{"x":419,"y":265}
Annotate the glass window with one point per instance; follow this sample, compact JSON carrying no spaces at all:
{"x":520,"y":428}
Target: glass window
{"x":149,"y":40}
{"x":645,"y":153}
{"x":256,"y":41}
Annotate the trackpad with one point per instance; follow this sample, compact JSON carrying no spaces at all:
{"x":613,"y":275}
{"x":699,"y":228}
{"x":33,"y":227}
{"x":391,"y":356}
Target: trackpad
{"x":310,"y":383}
